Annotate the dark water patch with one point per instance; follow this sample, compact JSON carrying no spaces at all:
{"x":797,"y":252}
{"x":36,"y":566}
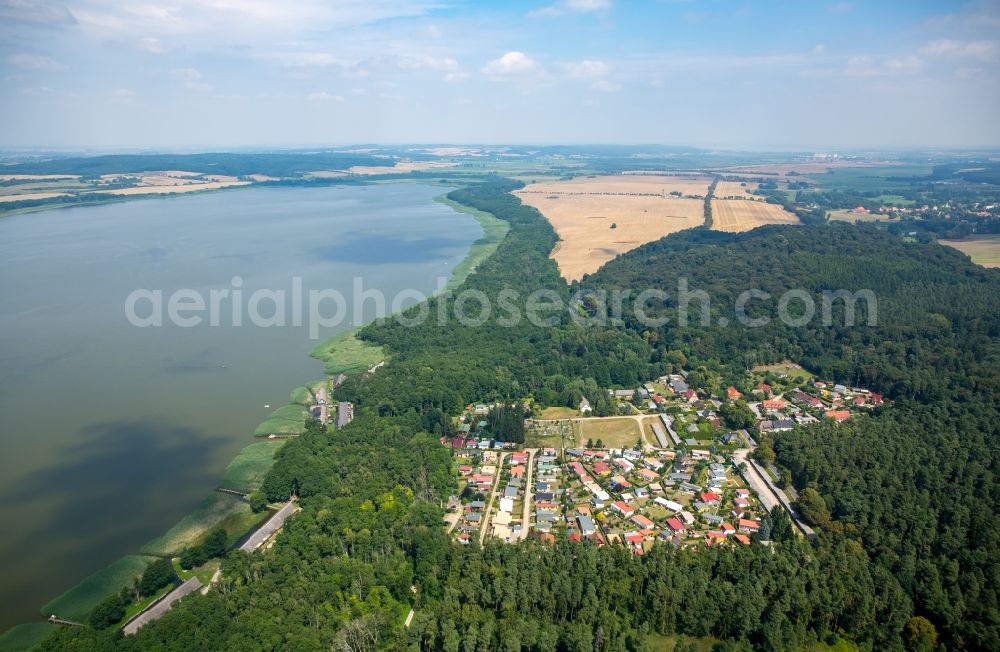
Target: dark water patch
{"x":385,"y":250}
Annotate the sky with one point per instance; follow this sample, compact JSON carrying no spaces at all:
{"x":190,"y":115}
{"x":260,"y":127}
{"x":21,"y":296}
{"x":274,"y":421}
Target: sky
{"x":210,"y":74}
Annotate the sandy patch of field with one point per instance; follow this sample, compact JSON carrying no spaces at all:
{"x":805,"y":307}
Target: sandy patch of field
{"x":847,"y":215}
{"x":163,"y":190}
{"x":736,"y":215}
{"x":583,"y":223}
{"x":401,"y":167}
{"x":36,"y":177}
{"x":31,"y":195}
{"x":984,"y":249}
{"x":262,"y":177}
{"x":735,"y":189}
{"x":625,"y":184}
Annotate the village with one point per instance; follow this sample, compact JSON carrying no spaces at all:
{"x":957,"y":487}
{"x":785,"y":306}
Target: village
{"x":668,"y":471}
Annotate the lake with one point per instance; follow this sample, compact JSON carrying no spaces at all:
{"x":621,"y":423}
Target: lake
{"x":111,"y":433}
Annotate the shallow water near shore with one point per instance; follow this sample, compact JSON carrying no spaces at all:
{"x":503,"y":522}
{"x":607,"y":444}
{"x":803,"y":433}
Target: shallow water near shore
{"x":112,"y":433}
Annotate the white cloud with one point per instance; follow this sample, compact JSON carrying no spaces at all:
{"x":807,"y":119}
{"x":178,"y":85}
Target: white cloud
{"x":588,"y":68}
{"x":446,"y":64}
{"x":605,"y":86}
{"x":512,"y":63}
{"x":34,"y":62}
{"x":573,"y":7}
{"x":323,"y":96}
{"x":982,"y":50}
{"x":151,"y":45}
{"x":192,"y":79}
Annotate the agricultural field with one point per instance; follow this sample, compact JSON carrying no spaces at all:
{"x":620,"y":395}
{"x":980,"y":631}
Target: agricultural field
{"x":984,"y":249}
{"x":736,"y":190}
{"x":401,"y":167}
{"x":77,"y":602}
{"x":848,"y":215}
{"x":583,"y":212}
{"x":614,"y":432}
{"x":181,"y":186}
{"x":735,"y":215}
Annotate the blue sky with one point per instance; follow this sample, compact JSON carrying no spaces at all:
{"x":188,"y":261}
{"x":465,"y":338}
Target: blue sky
{"x":713,"y":73}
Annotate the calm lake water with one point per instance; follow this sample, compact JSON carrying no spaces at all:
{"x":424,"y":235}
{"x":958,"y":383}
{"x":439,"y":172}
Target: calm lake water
{"x":112,"y":433}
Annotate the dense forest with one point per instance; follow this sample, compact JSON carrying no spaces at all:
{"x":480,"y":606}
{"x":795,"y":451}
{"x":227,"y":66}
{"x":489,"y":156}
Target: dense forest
{"x":904,"y":500}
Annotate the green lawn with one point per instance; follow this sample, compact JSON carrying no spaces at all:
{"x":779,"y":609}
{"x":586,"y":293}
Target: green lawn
{"x":286,"y":420}
{"x":246,"y":472}
{"x":345,"y":353}
{"x":24,"y":637}
{"x":306,"y":393}
{"x":614,"y":432}
{"x":204,"y":572}
{"x":77,"y":602}
{"x":559,"y":413}
{"x":218,"y":509}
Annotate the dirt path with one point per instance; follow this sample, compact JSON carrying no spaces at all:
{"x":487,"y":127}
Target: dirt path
{"x":529,"y":492}
{"x":485,"y":523}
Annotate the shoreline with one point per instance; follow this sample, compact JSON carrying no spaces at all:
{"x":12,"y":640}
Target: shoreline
{"x":341,"y":353}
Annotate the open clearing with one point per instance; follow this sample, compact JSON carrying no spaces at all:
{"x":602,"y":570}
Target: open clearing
{"x":583,"y":210}
{"x":734,"y":215}
{"x":736,"y":190}
{"x":31,"y":195}
{"x":848,"y":215}
{"x":614,"y":432}
{"x":625,"y":184}
{"x":984,"y":249}
{"x":179,"y":186}
{"x":401,"y":167}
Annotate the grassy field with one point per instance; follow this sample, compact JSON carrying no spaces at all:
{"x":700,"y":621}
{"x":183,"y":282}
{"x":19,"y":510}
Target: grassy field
{"x":76,"y":603}
{"x":559,"y":413}
{"x":217,"y":509}
{"x":24,"y":637}
{"x":247,"y":470}
{"x":286,"y":420}
{"x":304,"y":393}
{"x":793,"y":370}
{"x":345,"y":353}
{"x":870,"y":178}
{"x":847,"y":215}
{"x":734,"y":215}
{"x":614,"y":432}
{"x":494,"y":231}
{"x":984,"y":249}
{"x":204,"y":572}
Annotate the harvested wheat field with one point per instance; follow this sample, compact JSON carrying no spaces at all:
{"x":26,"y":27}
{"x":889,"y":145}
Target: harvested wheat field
{"x":734,"y":215}
{"x":735,"y":190}
{"x":31,"y":195}
{"x":626,"y":184}
{"x":983,"y":249}
{"x":163,"y":190}
{"x":583,"y":222}
{"x":401,"y":167}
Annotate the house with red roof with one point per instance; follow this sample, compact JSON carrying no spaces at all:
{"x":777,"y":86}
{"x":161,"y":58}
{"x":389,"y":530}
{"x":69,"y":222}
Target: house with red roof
{"x":742,"y":538}
{"x":711,"y":498}
{"x":748,"y":526}
{"x":773,"y":404}
{"x":601,"y":469}
{"x":625,"y":510}
{"x":838,"y":415}
{"x":733,"y":394}
{"x":675,"y":525}
{"x":642,"y":522}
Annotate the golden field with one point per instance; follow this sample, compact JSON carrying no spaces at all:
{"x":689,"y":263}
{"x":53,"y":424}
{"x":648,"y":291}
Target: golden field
{"x":582,"y":211}
{"x":735,"y":215}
